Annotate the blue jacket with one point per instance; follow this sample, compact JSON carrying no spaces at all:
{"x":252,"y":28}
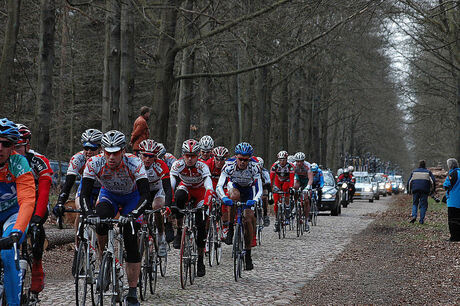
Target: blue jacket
{"x":421,"y":180}
{"x":452,"y":185}
{"x":318,"y":179}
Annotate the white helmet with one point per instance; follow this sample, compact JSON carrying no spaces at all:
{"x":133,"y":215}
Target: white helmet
{"x":291,"y":158}
{"x":113,"y":141}
{"x":299,"y":156}
{"x":91,"y":137}
{"x":350,"y":169}
{"x":206,"y":143}
{"x":261,"y":162}
{"x":339,"y":171}
{"x":282,"y":154}
{"x":346,"y":170}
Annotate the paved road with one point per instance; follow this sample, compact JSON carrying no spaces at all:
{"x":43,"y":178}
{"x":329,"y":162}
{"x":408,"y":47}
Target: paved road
{"x":282,"y":267}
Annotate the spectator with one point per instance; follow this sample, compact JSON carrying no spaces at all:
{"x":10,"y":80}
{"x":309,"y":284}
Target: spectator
{"x":452,"y":185}
{"x":140,"y":129}
{"x":421,"y":182}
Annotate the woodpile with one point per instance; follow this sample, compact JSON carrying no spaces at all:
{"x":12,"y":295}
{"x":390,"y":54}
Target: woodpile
{"x":440,"y":175}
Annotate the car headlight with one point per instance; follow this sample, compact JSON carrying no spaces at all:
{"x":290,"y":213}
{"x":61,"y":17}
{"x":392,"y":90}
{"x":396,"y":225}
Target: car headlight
{"x":387,"y":185}
{"x":367,"y":189}
{"x":328,"y":196}
{"x":374,"y":188}
{"x":344,"y":185}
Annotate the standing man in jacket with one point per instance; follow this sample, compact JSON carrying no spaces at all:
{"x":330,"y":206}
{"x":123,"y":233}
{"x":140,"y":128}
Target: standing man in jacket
{"x":420,"y":184}
{"x":140,"y":129}
{"x":452,"y":185}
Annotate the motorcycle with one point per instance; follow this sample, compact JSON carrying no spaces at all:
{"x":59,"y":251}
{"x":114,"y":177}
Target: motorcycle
{"x":345,"y":189}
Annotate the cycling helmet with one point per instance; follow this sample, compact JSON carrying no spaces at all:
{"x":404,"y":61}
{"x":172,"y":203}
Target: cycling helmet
{"x":9,"y":130}
{"x":150,"y":146}
{"x":190,"y":146}
{"x":299,"y":156}
{"x":113,"y":141}
{"x":260,"y":161}
{"x":339,"y":171}
{"x":314,"y":167}
{"x":25,"y":134}
{"x":282,"y":155}
{"x":346,"y":170}
{"x":91,"y":138}
{"x":291,"y":158}
{"x":351,"y":169}
{"x":221,"y":152}
{"x":162,"y":151}
{"x":244,"y":148}
{"x":206,"y":143}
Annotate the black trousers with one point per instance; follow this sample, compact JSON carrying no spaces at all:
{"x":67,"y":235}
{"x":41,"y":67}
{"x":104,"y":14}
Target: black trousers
{"x":453,"y":218}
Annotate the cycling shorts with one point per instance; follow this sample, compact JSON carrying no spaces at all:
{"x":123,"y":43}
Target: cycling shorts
{"x":246,"y":193}
{"x":123,"y":203}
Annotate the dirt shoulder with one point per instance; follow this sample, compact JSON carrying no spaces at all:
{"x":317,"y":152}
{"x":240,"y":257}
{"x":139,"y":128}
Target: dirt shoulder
{"x":393,"y":262}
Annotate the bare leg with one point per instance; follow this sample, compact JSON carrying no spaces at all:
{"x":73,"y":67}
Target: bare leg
{"x":132,"y":272}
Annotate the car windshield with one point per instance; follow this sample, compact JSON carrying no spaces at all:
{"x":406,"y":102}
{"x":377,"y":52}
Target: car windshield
{"x":363,"y":179}
{"x":329,"y":179}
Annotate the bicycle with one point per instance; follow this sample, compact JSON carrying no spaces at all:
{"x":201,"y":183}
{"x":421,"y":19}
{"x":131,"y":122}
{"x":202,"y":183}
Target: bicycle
{"x":281,"y":215}
{"x":213,"y":247}
{"x":148,"y":248}
{"x":188,"y":247}
{"x":238,"y":252}
{"x":299,"y":213}
{"x":86,"y":259}
{"x":111,"y":274}
{"x":259,"y":220}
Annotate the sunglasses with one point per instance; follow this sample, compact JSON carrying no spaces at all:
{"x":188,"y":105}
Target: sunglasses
{"x":91,"y":148}
{"x":150,"y":155}
{"x":6,"y":143}
{"x":203,"y":151}
{"x":243,"y":159}
{"x":220,"y":158}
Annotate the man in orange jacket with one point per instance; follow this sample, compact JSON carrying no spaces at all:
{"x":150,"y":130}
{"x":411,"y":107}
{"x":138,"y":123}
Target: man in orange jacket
{"x":140,"y":129}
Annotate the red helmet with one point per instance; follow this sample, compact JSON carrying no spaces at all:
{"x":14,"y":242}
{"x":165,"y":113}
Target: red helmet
{"x":25,"y":134}
{"x":150,"y":146}
{"x":190,"y":146}
{"x":220,"y":152}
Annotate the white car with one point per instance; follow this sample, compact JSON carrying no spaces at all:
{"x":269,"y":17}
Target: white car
{"x":364,"y":188}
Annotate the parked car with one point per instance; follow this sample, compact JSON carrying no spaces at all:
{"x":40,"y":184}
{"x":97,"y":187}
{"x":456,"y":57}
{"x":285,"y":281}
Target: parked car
{"x":364,"y":187}
{"x":330,"y":200}
{"x":381,"y":179}
{"x":375,"y":186}
{"x":398,"y":184}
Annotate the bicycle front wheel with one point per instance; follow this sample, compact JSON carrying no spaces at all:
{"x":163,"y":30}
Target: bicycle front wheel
{"x":105,"y":277}
{"x":83,"y":280}
{"x":218,"y":241}
{"x":145,"y":273}
{"x":193,"y":256}
{"x":185,"y":253}
{"x":210,"y":241}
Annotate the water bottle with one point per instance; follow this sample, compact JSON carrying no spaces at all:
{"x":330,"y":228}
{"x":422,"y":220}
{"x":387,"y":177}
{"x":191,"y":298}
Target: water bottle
{"x":23,"y":266}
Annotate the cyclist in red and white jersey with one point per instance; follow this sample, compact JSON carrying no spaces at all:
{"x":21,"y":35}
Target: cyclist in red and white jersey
{"x":124,"y":189}
{"x":191,"y":179}
{"x":160,"y":186}
{"x":282,"y":178}
{"x":42,"y":172}
{"x":303,"y":180}
{"x":206,"y":146}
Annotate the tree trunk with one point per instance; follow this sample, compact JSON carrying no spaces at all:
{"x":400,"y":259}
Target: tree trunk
{"x":106,"y":122}
{"x":260,"y":109}
{"x":164,"y":74}
{"x":45,"y":75}
{"x":283,"y":111}
{"x":127,"y":67}
{"x":247,"y":107}
{"x":114,"y":63}
{"x":60,"y":108}
{"x":9,"y":49}
{"x":324,"y":134}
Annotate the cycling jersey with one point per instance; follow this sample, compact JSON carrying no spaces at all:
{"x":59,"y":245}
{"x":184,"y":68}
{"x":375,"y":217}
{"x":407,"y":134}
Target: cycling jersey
{"x":282,"y":173}
{"x":42,"y":173}
{"x":241,"y":179}
{"x":193,"y":177}
{"x":17,"y":191}
{"x":77,"y":166}
{"x":119,"y":181}
{"x":155,"y":173}
{"x":215,"y":172}
{"x":301,"y":173}
{"x":318,"y":179}
{"x":265,"y":177}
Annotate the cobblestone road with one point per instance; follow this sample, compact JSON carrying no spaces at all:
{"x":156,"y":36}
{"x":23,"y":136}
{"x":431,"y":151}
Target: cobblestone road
{"x":282,"y":267}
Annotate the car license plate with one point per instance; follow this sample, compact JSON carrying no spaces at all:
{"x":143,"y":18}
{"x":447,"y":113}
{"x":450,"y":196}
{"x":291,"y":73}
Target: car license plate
{"x":357,"y":193}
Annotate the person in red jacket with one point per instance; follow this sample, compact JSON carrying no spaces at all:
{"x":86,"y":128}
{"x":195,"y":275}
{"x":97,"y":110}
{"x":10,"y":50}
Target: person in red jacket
{"x":42,"y":173}
{"x":282,"y":178}
{"x":140,"y":129}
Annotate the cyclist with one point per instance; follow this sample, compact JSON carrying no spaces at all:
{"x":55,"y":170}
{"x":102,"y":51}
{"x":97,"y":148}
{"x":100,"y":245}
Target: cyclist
{"x":303,"y":180}
{"x":242,"y":173}
{"x":215,"y":165}
{"x":160,"y":186}
{"x":124,"y":190}
{"x":91,"y":142}
{"x":206,"y":146}
{"x":195,"y":183}
{"x":318,"y":180}
{"x":42,"y":172}
{"x":17,"y":202}
{"x":282,"y":178}
{"x":168,"y":158}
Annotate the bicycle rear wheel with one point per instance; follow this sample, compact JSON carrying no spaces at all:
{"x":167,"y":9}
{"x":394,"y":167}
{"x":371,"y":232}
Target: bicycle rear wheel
{"x":193,"y":256}
{"x":218,"y":241}
{"x":238,"y":249}
{"x":315,"y":213}
{"x":145,"y":273}
{"x":163,"y":262}
{"x":210,"y":241}
{"x":184,"y":258}
{"x":154,"y":263}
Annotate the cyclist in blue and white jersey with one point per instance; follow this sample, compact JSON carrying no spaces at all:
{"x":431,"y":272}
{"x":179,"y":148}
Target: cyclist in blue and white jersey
{"x":242,"y":173}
